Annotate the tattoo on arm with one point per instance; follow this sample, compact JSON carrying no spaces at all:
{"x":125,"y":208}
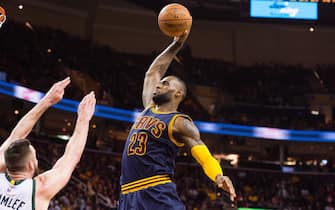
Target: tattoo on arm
{"x":157,"y":70}
{"x":189,"y":127}
{"x":190,"y":133}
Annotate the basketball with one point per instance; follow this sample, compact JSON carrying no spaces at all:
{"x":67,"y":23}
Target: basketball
{"x":174,"y":19}
{"x":2,"y":16}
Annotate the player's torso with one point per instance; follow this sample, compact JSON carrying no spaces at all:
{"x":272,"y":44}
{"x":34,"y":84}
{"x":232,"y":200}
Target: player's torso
{"x":18,"y":196}
{"x":150,"y":148}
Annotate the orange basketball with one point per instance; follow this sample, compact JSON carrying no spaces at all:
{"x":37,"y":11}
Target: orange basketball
{"x":174,"y":19}
{"x":2,"y":16}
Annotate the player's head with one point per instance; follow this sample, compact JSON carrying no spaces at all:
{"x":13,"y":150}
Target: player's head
{"x":20,"y":157}
{"x":169,"y":89}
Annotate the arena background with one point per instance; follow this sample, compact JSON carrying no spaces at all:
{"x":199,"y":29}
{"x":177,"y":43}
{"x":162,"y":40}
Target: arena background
{"x":275,"y":76}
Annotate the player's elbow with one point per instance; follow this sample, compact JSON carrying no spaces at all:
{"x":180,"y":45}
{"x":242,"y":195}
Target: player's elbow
{"x":150,"y":73}
{"x":69,"y":161}
{"x":73,"y":153}
{"x":18,"y":135}
{"x":157,"y":67}
{"x":66,"y":177}
{"x":68,"y":170}
{"x":76,"y":158}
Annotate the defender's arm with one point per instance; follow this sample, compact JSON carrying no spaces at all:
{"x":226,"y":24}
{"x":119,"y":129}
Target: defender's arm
{"x":51,"y":182}
{"x":26,"y":124}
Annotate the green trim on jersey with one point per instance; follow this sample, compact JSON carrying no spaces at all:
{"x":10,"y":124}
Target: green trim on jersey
{"x":33,"y":195}
{"x":10,"y":180}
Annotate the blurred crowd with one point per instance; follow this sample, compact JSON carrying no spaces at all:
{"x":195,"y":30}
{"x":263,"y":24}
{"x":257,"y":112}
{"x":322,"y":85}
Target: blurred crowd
{"x":269,"y":95}
{"x":273,"y":95}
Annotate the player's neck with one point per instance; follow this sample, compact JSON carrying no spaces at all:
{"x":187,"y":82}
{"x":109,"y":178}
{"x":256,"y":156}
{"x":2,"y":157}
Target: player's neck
{"x":168,"y":107}
{"x":18,"y":175}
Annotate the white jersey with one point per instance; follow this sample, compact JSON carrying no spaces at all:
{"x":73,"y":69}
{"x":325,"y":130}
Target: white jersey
{"x":18,"y":196}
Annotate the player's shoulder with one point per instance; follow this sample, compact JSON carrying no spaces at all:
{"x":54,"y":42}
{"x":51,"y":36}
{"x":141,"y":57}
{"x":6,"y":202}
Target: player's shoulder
{"x":185,"y":130}
{"x":183,"y":120}
{"x":181,"y":117}
{"x":184,"y":123}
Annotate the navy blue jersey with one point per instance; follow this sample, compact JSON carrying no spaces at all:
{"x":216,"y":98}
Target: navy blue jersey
{"x":149,"y":154}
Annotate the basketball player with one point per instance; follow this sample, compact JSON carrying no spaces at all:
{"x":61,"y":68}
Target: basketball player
{"x":149,"y":155}
{"x":21,"y":188}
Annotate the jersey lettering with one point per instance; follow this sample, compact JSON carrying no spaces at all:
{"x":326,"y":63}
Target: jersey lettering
{"x":158,"y":129}
{"x":154,"y":125}
{"x":138,"y":144}
{"x":149,"y":150}
{"x":12,"y":203}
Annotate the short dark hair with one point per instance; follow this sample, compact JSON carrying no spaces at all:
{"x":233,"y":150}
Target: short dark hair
{"x":183,"y":86}
{"x":16,"y":155}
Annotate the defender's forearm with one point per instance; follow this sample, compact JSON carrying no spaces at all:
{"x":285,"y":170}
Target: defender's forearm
{"x":26,"y":124}
{"x":75,"y":147}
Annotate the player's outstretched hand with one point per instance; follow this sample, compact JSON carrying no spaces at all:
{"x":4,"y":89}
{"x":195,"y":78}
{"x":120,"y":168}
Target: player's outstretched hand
{"x":181,"y":39}
{"x":225,"y":183}
{"x":87,"y":106}
{"x":56,"y":92}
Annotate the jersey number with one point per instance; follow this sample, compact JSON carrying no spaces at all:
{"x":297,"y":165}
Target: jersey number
{"x":138,"y":144}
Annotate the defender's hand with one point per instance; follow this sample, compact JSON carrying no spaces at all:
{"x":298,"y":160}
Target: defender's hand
{"x":56,"y":92}
{"x":225,"y":183}
{"x":87,"y":106}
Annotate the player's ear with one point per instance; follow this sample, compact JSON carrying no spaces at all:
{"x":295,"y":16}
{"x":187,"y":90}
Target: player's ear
{"x":178,"y":94}
{"x":31,"y":165}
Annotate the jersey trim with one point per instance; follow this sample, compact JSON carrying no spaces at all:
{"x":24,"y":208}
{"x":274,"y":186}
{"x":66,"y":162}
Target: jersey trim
{"x":145,"y":183}
{"x":12,"y":181}
{"x":155,"y":111}
{"x":33,"y":195}
{"x":148,"y":107}
{"x":170,"y":132}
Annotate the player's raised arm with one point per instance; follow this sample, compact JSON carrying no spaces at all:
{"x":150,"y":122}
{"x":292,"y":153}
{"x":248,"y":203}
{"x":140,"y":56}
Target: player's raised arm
{"x":186,"y":132}
{"x":26,"y":124}
{"x":52,"y":181}
{"x":159,"y":66}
